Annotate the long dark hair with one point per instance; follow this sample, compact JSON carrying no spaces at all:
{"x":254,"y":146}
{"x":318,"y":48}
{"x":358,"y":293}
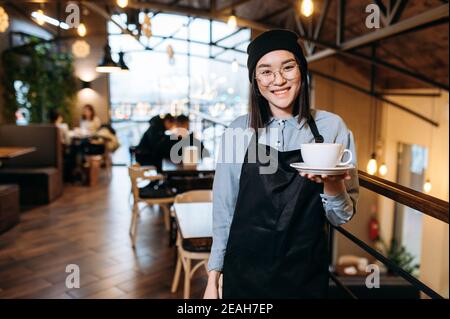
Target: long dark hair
{"x":260,"y":112}
{"x":91,"y":109}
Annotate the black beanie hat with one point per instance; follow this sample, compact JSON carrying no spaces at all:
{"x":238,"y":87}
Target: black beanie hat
{"x":272,"y":40}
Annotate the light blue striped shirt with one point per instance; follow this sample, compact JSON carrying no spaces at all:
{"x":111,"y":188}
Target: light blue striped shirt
{"x":283,"y":135}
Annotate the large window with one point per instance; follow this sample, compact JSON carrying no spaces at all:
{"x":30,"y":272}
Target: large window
{"x":188,"y":66}
{"x":412,"y":163}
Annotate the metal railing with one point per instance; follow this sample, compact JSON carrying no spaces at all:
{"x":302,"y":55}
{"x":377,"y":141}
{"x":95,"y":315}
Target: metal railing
{"x":423,"y":203}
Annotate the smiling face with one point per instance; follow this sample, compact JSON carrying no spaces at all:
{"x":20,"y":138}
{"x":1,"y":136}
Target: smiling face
{"x":281,"y":92}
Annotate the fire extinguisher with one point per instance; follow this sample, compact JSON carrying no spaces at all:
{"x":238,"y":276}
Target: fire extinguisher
{"x":374,"y":229}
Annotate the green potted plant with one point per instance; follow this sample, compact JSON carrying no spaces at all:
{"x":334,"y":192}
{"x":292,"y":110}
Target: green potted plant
{"x":398,"y":254}
{"x":37,"y":77}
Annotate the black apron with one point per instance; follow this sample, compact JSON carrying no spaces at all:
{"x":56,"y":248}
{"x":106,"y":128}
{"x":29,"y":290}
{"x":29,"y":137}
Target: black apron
{"x":277,"y":246}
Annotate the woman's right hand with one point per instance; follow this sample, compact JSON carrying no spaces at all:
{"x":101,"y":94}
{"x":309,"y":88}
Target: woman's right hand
{"x":212,"y":287}
{"x":211,"y":292}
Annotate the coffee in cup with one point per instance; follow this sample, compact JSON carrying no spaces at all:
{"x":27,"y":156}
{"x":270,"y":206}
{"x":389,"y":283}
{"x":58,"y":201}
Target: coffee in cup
{"x":325,"y":155}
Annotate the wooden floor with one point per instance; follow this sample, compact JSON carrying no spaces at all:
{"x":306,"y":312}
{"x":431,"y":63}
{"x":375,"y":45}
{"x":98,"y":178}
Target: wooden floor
{"x":89,"y":227}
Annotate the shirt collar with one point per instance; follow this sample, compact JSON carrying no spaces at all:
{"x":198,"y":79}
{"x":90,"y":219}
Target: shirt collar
{"x":293,"y":121}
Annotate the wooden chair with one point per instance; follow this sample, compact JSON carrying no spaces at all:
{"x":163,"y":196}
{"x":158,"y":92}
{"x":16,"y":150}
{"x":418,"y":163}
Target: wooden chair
{"x":139,"y":173}
{"x":185,"y":256}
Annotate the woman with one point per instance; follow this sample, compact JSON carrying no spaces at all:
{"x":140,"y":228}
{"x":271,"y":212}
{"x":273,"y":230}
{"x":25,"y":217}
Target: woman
{"x":151,"y":148}
{"x":56,"y":118}
{"x":90,"y":122}
{"x":68,"y":151}
{"x":269,"y":234}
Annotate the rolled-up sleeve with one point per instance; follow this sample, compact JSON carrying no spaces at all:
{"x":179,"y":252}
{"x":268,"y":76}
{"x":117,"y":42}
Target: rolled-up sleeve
{"x":340,"y":209}
{"x":225,"y":191}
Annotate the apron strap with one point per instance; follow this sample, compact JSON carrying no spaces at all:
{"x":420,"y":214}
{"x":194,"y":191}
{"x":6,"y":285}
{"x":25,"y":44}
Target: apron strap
{"x":312,"y":125}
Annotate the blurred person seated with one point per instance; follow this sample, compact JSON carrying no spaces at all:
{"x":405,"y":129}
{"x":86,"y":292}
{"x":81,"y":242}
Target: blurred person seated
{"x":150,"y":148}
{"x":69,"y":152}
{"x":56,"y":118}
{"x":170,"y":136}
{"x":90,"y":122}
{"x":90,"y":144}
{"x":181,"y":134}
{"x":151,"y":151}
{"x":107,"y":133}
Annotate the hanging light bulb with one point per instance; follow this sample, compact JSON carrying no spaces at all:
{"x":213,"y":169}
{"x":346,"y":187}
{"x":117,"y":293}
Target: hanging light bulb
{"x":39,"y":16}
{"x":427,"y":186}
{"x":82,"y":30}
{"x":232,"y":21}
{"x":234,"y":66}
{"x":372,"y":165}
{"x":307,"y":8}
{"x":383,"y":169}
{"x":122,"y":3}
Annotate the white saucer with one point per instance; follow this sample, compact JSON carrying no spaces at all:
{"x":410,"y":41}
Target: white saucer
{"x":338,"y":170}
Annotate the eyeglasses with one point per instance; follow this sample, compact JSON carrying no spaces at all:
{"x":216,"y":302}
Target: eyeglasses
{"x":289,"y":72}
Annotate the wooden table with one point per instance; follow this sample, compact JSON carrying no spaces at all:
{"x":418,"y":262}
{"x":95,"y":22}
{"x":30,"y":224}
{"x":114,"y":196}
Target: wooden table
{"x":205,"y":166}
{"x":189,"y":177}
{"x":195,"y":224}
{"x":11,"y":152}
{"x":8,"y":152}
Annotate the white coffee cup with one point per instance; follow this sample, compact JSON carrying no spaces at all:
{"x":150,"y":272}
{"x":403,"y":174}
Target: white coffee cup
{"x":190,"y":155}
{"x":324,"y":155}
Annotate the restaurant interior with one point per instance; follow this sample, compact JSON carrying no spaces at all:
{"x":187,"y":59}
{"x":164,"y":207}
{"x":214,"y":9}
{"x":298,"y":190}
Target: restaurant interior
{"x":84,"y":212}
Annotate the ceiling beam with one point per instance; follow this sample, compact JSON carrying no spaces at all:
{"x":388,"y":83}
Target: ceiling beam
{"x":99,"y":10}
{"x":199,"y":13}
{"x":354,"y":55}
{"x":383,"y":11}
{"x":308,"y":45}
{"x":102,"y":2}
{"x":230,"y":7}
{"x":378,"y":96}
{"x":23,"y":13}
{"x":275,"y":13}
{"x":212,"y":6}
{"x":323,"y":15}
{"x":397,"y":11}
{"x":397,"y":69}
{"x":398,"y":28}
{"x":268,"y":16}
{"x":340,"y":22}
{"x":271,"y":15}
{"x":318,"y":27}
{"x":192,"y":41}
{"x":422,"y":19}
{"x":432,"y":16}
